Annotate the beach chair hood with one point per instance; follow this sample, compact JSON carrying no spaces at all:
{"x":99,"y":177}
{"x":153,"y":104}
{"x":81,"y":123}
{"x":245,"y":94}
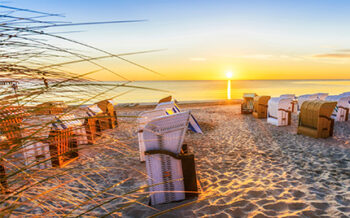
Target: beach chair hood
{"x":249,"y":95}
{"x":292,"y":96}
{"x":322,"y":96}
{"x":93,"y":110}
{"x":170,"y":128}
{"x":276,"y":104}
{"x":172,"y":107}
{"x":312,"y":110}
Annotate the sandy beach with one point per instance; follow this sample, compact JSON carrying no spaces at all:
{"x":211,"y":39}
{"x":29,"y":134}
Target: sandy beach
{"x":246,"y":168}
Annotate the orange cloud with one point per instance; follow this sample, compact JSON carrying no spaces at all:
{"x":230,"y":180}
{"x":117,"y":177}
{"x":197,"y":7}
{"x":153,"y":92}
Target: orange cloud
{"x":332,"y":55}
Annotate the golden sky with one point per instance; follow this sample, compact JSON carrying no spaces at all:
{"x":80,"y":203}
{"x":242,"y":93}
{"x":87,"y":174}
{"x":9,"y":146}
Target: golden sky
{"x":202,"y":40}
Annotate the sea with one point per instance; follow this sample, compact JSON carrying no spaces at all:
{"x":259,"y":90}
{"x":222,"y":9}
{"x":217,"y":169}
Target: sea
{"x":186,"y":90}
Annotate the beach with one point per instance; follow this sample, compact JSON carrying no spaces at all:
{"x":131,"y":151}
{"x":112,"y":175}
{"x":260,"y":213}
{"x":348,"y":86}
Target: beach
{"x":245,"y":167}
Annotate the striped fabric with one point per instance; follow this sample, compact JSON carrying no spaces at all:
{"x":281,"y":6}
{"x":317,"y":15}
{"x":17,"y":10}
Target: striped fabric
{"x":93,"y":110}
{"x":173,"y":108}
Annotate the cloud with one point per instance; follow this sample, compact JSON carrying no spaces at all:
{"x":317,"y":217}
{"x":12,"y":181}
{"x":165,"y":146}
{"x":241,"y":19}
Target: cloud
{"x":278,"y":57}
{"x":343,"y":50}
{"x":332,"y":55}
{"x":198,"y":59}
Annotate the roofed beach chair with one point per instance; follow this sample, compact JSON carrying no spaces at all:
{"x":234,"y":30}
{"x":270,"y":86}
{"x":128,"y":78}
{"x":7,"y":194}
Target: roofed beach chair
{"x":142,"y":121}
{"x":303,"y":98}
{"x":51,"y":107}
{"x":322,"y":96}
{"x":171,"y":175}
{"x":172,"y":107}
{"x":345,"y":94}
{"x":247,"y":105}
{"x":341,"y":111}
{"x":63,"y":144}
{"x":294,"y":102}
{"x":92,"y":123}
{"x":107,"y":106}
{"x":260,"y":106}
{"x":77,"y":126}
{"x":279,"y":111}
{"x":315,"y":118}
{"x":11,"y":118}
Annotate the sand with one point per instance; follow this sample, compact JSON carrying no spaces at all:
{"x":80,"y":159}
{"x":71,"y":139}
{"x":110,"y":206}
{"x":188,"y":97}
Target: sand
{"x":246,"y":168}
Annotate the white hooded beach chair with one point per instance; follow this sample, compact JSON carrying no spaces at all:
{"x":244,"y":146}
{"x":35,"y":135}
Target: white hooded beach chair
{"x":172,"y":107}
{"x":322,"y":96}
{"x":341,"y":111}
{"x":142,"y":121}
{"x":303,"y":98}
{"x":293,"y":103}
{"x":345,"y":94}
{"x":279,"y":111}
{"x":163,"y":138}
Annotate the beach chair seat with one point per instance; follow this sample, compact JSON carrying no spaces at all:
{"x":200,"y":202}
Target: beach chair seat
{"x":35,"y":149}
{"x":341,"y":111}
{"x":172,"y":107}
{"x":315,"y":118}
{"x":163,"y":138}
{"x":36,"y":155}
{"x":107,"y":106}
{"x":279,"y":111}
{"x":260,"y":106}
{"x":247,"y":105}
{"x":142,"y":121}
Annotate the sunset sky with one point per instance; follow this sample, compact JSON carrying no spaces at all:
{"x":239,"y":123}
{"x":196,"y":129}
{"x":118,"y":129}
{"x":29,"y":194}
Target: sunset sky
{"x":205,"y":39}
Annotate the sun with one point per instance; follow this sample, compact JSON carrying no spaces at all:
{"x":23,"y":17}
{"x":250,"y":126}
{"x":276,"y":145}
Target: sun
{"x":229,"y":75}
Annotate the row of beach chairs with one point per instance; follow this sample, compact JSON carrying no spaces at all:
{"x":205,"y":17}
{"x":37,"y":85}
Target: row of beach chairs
{"x":48,"y":135}
{"x":317,"y":112}
{"x":170,"y":166}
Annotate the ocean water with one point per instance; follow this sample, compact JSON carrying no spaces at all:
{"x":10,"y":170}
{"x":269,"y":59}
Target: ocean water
{"x":198,"y":90}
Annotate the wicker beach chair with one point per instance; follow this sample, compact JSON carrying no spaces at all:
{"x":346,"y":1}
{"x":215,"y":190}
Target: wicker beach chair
{"x":279,"y":111}
{"x":341,"y":111}
{"x":303,"y":98}
{"x":166,"y":169}
{"x":63,"y":144}
{"x":77,"y":126}
{"x":345,"y":94}
{"x":293,"y":103}
{"x":35,"y":149}
{"x":11,"y":118}
{"x":315,"y":118}
{"x":247,"y":105}
{"x":260,"y":106}
{"x":172,"y":107}
{"x":107,"y":106}
{"x":322,"y":96}
{"x":50,"y":108}
{"x":92,"y":123}
{"x":142,"y":121}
